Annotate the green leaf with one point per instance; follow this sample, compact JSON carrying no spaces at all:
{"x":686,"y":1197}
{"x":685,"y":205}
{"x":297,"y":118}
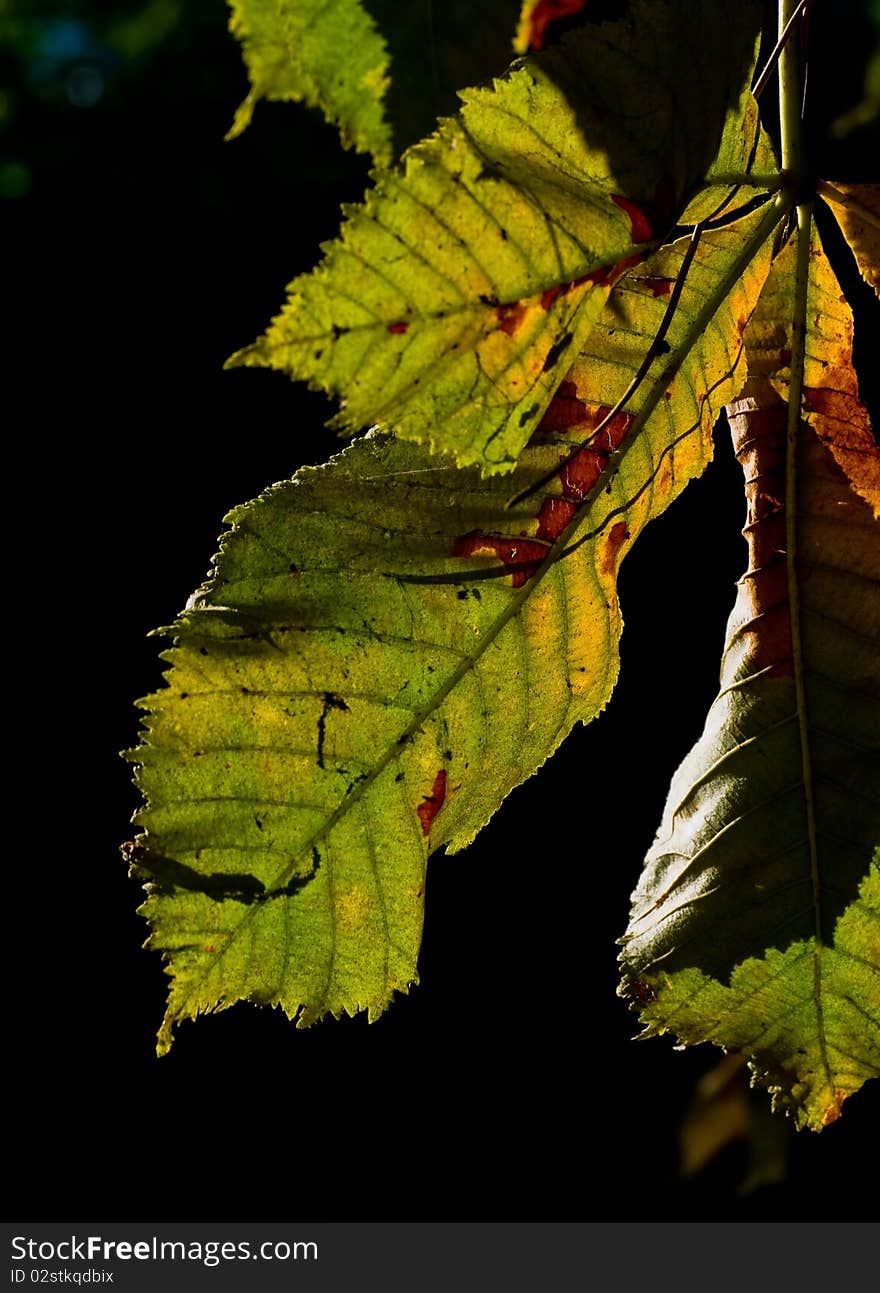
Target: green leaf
{"x":331,"y":55}
{"x":386,"y":647}
{"x":453,"y":303}
{"x":810,"y":1058}
{"x":756,"y":924}
{"x":381,"y":71}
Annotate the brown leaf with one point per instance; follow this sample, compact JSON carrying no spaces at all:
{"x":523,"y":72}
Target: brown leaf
{"x":858,"y":214}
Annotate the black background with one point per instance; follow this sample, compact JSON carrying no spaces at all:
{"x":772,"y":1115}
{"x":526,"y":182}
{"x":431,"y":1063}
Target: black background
{"x":506,"y":1085}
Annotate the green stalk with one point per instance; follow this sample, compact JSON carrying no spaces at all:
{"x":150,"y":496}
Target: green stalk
{"x":790,"y":95}
{"x":794,"y":165}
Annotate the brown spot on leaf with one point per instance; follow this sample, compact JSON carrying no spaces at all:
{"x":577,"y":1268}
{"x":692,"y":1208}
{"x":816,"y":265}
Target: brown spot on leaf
{"x":397,"y":329}
{"x":545,"y":12}
{"x":604,"y":276}
{"x":521,"y":556}
{"x":432,"y":803}
{"x":564,"y":410}
{"x":832,"y":1113}
{"x":617,"y":535}
{"x":607,"y":275}
{"x":641,"y":227}
{"x":658,"y":286}
{"x":580,"y":474}
{"x":642,"y":991}
{"x":555,"y":515}
{"x":510,"y":317}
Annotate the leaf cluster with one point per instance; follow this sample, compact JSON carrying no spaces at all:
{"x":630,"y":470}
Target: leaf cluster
{"x":537,"y":317}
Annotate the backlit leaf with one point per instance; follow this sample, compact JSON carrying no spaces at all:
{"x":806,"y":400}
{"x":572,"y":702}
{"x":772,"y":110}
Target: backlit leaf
{"x":756,"y":924}
{"x":456,"y":298}
{"x":328,"y":53}
{"x":383,"y":72}
{"x":386,"y":648}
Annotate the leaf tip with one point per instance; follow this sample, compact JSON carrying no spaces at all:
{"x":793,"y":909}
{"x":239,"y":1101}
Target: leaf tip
{"x":165,"y":1037}
{"x":252,"y":356}
{"x":242,"y":119}
{"x":833,"y":1110}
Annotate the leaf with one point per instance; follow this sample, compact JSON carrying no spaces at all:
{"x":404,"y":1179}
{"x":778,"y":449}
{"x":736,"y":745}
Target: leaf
{"x":331,"y":55}
{"x":454,"y":301}
{"x":857,"y":208}
{"x":380,"y":71}
{"x":756,"y":924}
{"x":385,"y":649}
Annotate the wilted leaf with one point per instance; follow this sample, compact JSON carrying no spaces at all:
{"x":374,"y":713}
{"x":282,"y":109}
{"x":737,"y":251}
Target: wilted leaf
{"x":859,"y":217}
{"x":756,"y":924}
{"x":455,"y":300}
{"x":386,"y":649}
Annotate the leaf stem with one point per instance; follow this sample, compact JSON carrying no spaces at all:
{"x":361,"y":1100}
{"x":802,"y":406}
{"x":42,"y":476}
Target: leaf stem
{"x":790,"y":92}
{"x":793,"y":437}
{"x":794,"y":164}
{"x":795,"y":392}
